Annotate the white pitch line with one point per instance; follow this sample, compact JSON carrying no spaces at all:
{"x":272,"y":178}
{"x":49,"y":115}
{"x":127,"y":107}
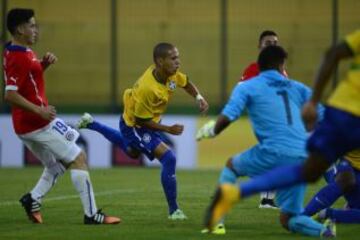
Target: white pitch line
{"x":66,"y":197}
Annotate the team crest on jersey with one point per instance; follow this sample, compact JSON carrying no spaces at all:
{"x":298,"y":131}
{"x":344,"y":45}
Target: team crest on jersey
{"x":70,"y":136}
{"x":172,"y":85}
{"x":146,"y":138}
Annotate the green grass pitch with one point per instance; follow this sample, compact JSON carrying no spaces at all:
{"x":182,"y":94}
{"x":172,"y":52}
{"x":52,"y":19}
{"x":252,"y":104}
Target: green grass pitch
{"x":135,"y":194}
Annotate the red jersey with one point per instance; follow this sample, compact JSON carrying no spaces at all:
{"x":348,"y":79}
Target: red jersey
{"x":252,"y":71}
{"x":24,"y":73}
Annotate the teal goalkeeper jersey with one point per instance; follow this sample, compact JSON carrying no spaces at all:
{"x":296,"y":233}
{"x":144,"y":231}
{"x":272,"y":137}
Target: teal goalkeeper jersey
{"x":274,"y":105}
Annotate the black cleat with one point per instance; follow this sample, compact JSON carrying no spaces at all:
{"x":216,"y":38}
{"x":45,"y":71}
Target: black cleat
{"x":32,"y":208}
{"x":101,"y":218}
{"x":267,"y":203}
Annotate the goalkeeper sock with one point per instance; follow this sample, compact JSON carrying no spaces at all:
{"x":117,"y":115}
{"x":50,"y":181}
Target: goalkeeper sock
{"x":323,"y":199}
{"x":168,"y":179}
{"x":227,"y":176}
{"x":305,"y":225}
{"x":109,"y":133}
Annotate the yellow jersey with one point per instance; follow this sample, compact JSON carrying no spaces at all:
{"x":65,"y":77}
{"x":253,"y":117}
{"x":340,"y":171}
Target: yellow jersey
{"x":347,"y":95}
{"x":148,"y":98}
{"x":354,"y":158}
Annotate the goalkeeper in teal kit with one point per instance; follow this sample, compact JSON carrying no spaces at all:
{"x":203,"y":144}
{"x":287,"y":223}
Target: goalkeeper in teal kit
{"x":273,"y":103}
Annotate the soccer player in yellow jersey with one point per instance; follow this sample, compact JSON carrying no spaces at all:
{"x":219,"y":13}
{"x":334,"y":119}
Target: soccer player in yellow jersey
{"x":336,"y":135}
{"x":140,"y":124}
{"x":339,"y":131}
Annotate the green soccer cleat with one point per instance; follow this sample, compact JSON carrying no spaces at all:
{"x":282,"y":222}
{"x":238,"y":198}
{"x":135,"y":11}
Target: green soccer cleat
{"x":225,"y":198}
{"x":330,"y":231}
{"x":177,"y":215}
{"x":84,"y":121}
{"x":219,"y":229}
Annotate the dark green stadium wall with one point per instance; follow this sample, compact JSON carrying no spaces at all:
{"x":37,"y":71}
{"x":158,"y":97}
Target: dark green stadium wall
{"x":78,"y":32}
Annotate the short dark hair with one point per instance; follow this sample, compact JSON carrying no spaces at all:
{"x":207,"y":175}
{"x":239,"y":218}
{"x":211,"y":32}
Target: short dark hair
{"x":271,"y":57}
{"x":16,"y":17}
{"x":266,"y":33}
{"x":161,"y":50}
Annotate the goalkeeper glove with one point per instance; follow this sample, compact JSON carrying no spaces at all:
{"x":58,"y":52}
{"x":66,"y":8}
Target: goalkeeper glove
{"x":206,"y":131}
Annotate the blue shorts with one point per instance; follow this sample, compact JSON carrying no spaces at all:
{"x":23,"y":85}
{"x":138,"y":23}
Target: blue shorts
{"x":353,"y":197}
{"x":140,"y":139}
{"x":337,"y":134}
{"x":257,"y":161}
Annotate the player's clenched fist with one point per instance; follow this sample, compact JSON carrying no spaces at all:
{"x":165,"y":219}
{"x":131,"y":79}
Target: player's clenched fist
{"x":176,"y":129}
{"x":48,"y":59}
{"x":48,"y":112}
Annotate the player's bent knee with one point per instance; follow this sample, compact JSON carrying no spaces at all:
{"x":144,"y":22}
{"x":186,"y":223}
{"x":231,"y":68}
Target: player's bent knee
{"x":79,"y":162}
{"x":57,"y":169}
{"x":284,"y":220}
{"x":314,"y":167}
{"x":168,"y":160}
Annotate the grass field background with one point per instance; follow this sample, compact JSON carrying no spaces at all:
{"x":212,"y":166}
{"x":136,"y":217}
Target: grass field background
{"x":135,"y":194}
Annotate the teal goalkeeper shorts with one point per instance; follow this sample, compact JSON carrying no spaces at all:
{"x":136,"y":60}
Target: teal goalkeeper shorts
{"x":257,"y":161}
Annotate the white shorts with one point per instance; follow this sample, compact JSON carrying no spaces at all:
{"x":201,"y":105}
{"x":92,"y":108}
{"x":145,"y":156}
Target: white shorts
{"x":56,"y":141}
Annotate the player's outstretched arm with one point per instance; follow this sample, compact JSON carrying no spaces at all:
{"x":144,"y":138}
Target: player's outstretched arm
{"x":192,"y":90}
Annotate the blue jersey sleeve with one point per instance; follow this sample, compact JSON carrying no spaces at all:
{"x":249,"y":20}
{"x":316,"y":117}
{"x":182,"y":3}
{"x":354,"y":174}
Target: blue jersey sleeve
{"x":236,"y":102}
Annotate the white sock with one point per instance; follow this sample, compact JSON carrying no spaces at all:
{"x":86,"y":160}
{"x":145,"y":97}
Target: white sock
{"x":263,"y":195}
{"x":43,"y":186}
{"x":267,"y":195}
{"x":270,"y":195}
{"x":82,"y":183}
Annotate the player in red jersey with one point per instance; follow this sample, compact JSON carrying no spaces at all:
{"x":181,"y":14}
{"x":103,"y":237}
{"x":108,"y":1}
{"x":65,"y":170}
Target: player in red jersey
{"x":267,"y":38}
{"x":51,"y":140}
